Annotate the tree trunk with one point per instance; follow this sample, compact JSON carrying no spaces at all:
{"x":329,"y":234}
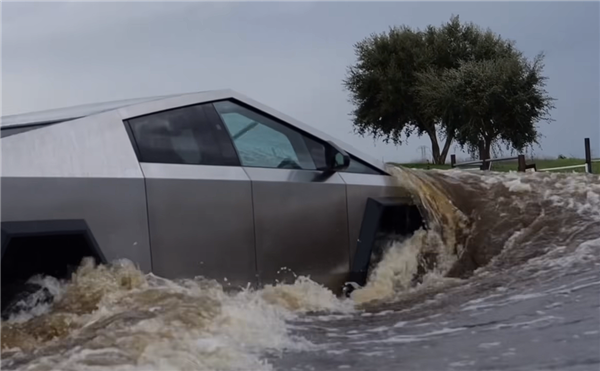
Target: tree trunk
{"x":439,"y":157}
{"x":488,"y":137}
{"x":435,"y":148}
{"x":487,"y":148}
{"x":446,"y":149}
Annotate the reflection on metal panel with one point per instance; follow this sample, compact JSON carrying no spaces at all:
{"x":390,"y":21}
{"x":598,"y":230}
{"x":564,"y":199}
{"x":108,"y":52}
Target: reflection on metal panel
{"x":69,"y":113}
{"x":201,"y":222}
{"x":301,"y":225}
{"x":114,"y":209}
{"x":173,"y":102}
{"x":97,"y":146}
{"x":359,"y":188}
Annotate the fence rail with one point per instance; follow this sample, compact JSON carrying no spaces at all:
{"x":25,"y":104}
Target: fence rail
{"x":486,"y":164}
{"x":565,"y":167}
{"x":479,"y":162}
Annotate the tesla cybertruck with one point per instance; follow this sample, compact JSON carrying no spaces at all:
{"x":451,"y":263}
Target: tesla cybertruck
{"x":209,"y":184}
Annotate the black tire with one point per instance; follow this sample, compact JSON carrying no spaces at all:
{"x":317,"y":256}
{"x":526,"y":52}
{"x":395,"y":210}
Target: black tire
{"x":24,"y":296}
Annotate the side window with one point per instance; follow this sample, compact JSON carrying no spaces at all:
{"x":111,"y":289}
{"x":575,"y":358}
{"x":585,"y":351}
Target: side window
{"x":181,"y":136}
{"x":263,"y":142}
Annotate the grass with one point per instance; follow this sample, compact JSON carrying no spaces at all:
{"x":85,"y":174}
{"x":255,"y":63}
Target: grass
{"x":512,"y":165}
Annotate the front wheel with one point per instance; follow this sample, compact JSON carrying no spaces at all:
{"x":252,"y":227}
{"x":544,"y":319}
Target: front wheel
{"x":349,"y":287}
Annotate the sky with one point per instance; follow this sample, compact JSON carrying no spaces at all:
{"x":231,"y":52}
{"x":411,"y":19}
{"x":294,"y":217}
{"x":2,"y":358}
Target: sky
{"x":290,"y":56}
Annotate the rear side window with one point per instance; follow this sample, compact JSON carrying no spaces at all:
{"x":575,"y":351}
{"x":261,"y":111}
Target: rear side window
{"x":181,"y":136}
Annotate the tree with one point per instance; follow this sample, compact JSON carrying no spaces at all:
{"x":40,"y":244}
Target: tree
{"x":491,"y":101}
{"x":384,"y":84}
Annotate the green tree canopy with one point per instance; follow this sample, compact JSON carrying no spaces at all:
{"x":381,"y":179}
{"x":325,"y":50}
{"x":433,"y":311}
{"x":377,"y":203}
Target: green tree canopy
{"x":395,"y":83}
{"x":492,"y":101}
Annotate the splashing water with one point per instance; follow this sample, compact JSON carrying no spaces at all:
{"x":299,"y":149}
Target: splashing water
{"x":114,"y":316}
{"x":489,"y":223}
{"x":485,"y":229}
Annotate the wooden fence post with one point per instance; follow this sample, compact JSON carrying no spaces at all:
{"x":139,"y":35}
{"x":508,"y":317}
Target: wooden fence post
{"x":522,"y":165}
{"x":588,"y":156}
{"x":452,"y":160}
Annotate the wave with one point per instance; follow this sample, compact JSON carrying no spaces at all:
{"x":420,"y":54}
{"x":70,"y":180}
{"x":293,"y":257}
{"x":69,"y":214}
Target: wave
{"x":488,"y":224}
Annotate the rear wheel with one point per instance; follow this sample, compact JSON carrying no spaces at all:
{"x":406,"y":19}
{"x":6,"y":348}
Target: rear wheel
{"x":24,"y":296}
{"x":25,"y":257}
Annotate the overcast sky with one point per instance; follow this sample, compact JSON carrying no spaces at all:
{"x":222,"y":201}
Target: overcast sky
{"x":291,"y":56}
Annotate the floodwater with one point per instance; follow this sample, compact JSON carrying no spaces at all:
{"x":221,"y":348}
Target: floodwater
{"x":515,"y":286}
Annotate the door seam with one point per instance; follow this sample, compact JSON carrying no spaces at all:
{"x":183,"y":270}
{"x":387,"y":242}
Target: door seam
{"x":348,"y":233}
{"x":257,"y":273}
{"x":152,"y":268}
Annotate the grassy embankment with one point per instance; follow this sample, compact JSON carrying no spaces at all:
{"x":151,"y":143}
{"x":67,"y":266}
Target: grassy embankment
{"x":512,"y":165}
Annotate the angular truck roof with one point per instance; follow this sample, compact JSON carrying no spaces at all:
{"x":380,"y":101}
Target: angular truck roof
{"x":68,"y":113}
{"x":163,"y":102}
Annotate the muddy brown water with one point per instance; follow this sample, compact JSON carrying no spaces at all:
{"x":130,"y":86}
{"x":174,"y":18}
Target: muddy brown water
{"x":516,"y":287}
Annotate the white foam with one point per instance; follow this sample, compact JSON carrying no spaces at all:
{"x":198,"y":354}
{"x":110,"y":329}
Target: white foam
{"x":525,"y":324}
{"x":337,"y":352}
{"x":326,"y":318}
{"x":489,"y":345}
{"x":576,"y":288}
{"x":379,"y":329}
{"x":384,"y":313}
{"x":521,"y":297}
{"x":417,"y":337}
{"x":516,"y":185}
{"x":586,"y":251}
{"x":373,"y":354}
{"x":462,"y":363}
{"x":400,"y":324}
{"x":304,"y":296}
{"x":477,"y":304}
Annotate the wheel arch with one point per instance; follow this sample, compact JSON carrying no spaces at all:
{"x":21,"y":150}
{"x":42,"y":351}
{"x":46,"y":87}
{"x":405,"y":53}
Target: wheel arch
{"x":46,"y":228}
{"x":399,"y":216}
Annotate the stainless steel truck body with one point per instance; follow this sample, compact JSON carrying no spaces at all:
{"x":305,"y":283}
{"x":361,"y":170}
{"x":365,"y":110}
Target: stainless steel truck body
{"x":211,"y":183}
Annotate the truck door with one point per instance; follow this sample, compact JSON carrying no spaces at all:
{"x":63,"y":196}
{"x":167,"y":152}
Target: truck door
{"x":300,"y":215}
{"x":199,"y":198}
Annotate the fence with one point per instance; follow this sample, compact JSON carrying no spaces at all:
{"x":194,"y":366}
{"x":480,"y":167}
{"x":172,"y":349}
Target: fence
{"x":486,"y":164}
{"x":587,"y":164}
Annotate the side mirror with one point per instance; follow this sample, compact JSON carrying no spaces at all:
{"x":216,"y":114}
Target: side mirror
{"x":337,"y":159}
